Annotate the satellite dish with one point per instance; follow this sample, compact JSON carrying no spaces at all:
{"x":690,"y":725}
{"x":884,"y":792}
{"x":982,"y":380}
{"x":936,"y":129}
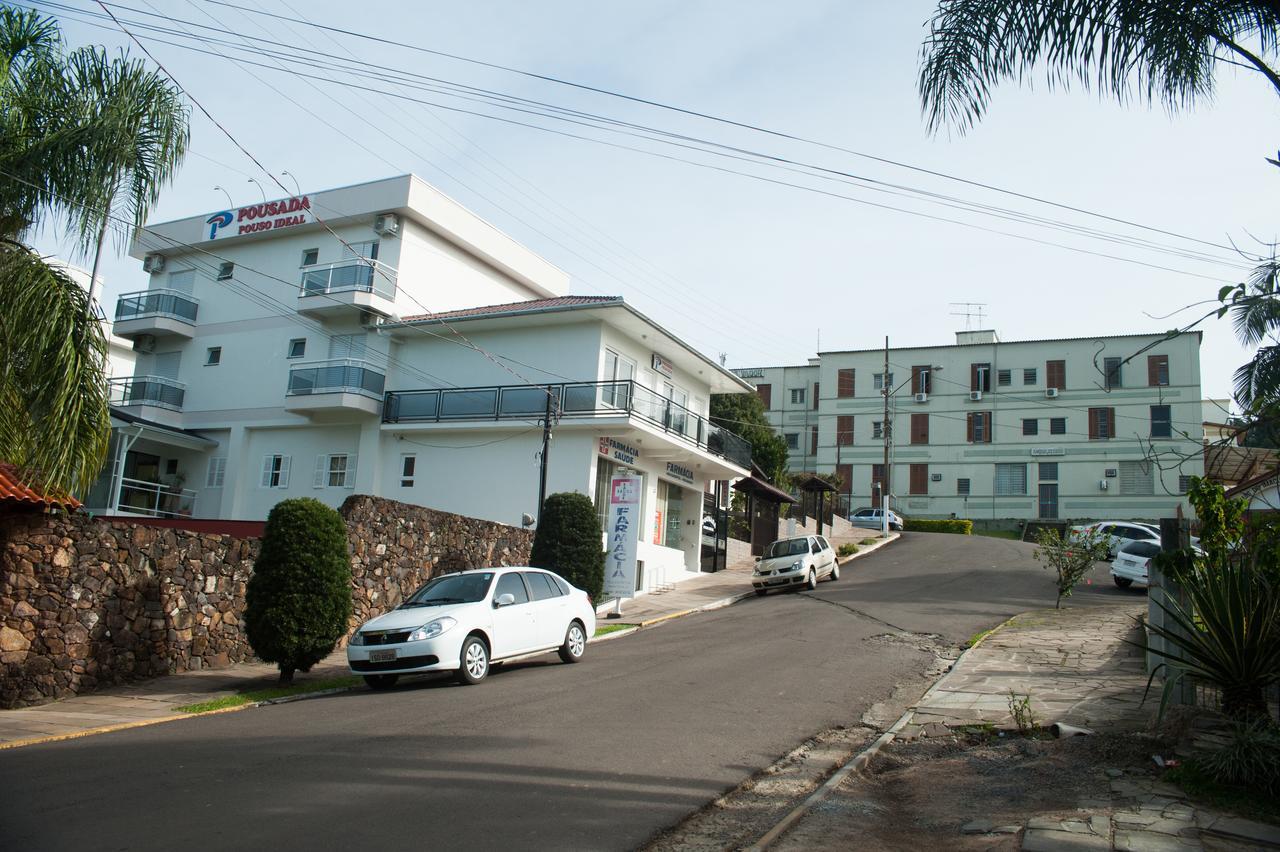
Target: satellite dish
{"x":526,"y":520}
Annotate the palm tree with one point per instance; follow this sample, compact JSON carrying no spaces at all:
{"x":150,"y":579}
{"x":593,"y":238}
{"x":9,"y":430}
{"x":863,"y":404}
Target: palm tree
{"x":1156,"y":50}
{"x":85,"y":140}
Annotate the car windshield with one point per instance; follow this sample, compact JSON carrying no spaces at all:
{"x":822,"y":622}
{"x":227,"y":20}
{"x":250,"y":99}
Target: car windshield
{"x":466,"y":587}
{"x":787,"y":547}
{"x":1144,"y":549}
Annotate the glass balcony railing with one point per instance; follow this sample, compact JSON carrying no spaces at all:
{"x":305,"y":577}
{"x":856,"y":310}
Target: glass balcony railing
{"x":359,"y":275}
{"x":157,"y":303}
{"x":336,"y":375}
{"x":148,"y":390}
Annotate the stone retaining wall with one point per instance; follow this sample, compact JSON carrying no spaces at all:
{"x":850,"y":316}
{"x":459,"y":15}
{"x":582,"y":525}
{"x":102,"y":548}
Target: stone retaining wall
{"x":86,"y":602}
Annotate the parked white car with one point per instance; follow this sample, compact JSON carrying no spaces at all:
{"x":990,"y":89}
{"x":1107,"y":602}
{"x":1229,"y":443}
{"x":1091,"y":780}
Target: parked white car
{"x":793,"y":562}
{"x":1117,"y":533}
{"x":467,"y":621}
{"x":874,"y":519}
{"x":1133,"y":563}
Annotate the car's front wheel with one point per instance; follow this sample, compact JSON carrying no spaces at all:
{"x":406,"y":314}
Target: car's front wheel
{"x":381,"y":681}
{"x":1123,"y":582}
{"x":575,"y":644}
{"x":812,"y":582}
{"x":475,"y":660}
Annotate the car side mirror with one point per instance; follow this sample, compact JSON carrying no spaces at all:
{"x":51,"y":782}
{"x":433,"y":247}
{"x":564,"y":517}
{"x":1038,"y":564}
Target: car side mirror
{"x":504,"y":600}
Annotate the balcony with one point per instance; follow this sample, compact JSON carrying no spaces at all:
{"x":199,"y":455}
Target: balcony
{"x":154,"y":392}
{"x":578,"y":400}
{"x":358,"y":284}
{"x":153,"y":499}
{"x":335,"y":386}
{"x":157,"y":312}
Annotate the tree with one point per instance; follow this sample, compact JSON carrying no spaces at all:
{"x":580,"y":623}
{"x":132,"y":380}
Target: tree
{"x":84,"y":139}
{"x":298,"y":602}
{"x":743,"y":414}
{"x":568,"y":542}
{"x":1156,"y":51}
{"x":1070,"y":558}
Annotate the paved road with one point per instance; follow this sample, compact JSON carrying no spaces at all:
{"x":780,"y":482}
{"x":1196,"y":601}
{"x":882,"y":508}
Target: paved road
{"x":599,"y":755}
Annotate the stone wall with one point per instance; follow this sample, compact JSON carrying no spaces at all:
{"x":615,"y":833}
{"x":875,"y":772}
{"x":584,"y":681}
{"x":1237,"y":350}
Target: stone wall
{"x":86,"y":603}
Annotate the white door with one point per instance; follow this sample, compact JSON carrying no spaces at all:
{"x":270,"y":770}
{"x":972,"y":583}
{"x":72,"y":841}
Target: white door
{"x":550,"y":609}
{"x":514,"y":625}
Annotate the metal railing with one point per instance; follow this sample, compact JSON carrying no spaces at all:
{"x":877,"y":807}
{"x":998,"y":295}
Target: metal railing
{"x":576,"y":399}
{"x":155,"y":499}
{"x":148,"y":390}
{"x":356,"y":274}
{"x":336,"y":375}
{"x":157,"y":303}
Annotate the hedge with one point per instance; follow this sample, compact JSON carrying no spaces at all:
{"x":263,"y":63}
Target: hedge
{"x":958,"y":526}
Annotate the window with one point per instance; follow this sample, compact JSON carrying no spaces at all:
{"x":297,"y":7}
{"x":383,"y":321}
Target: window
{"x":1004,"y":377}
{"x":347,"y":346}
{"x":844,"y":430}
{"x":541,"y":585}
{"x":877,"y":429}
{"x":1057,"y":425}
{"x":1030,"y":426}
{"x":275,"y":471}
{"x":310,"y":257}
{"x":1111,"y":371}
{"x":335,"y":471}
{"x":919,"y":483}
{"x":765,"y":392}
{"x":816,"y":397}
{"x":1102,"y":424}
{"x":878,"y":381}
{"x":408,"y":469}
{"x":213,"y":356}
{"x":793,"y":440}
{"x":226,"y":271}
{"x":1048,"y":471}
{"x":617,"y":369}
{"x":844,"y":383}
{"x":797,"y":396}
{"x":1161,"y":426}
{"x":845,"y":472}
{"x":980,"y":427}
{"x":1055,"y":374}
{"x":920,"y":379}
{"x":368,"y":250}
{"x":1184,"y":484}
{"x":182,"y":280}
{"x":979,"y":377}
{"x":962,"y":487}
{"x":1011,"y":478}
{"x":1136,"y":477}
{"x":1157,"y":370}
{"x":171,"y":467}
{"x":919,"y":428}
{"x":1029,"y":376}
{"x":511,"y":584}
{"x":217,"y":472}
{"x":297,"y":347}
{"x":813,"y":440}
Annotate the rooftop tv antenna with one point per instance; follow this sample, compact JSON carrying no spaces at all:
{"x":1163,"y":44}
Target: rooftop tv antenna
{"x":970,"y":311}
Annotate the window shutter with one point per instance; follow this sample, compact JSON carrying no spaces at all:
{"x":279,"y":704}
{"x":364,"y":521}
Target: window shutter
{"x":1153,"y":370}
{"x":1055,"y":374}
{"x":969,"y":420}
{"x":765,"y":392}
{"x":1111,"y":422}
{"x":1011,"y":478}
{"x":991,"y":426}
{"x":322,"y":472}
{"x":351,"y":471}
{"x":973,"y":377}
{"x":845,"y":472}
{"x":1136,"y":478}
{"x":920,"y":428}
{"x":815,"y":396}
{"x":844,"y":382}
{"x":844,"y":430}
{"x":1093,"y":424}
{"x":266,"y":471}
{"x":284,"y":470}
{"x":217,"y":472}
{"x":919,"y":479}
{"x":813,"y":440}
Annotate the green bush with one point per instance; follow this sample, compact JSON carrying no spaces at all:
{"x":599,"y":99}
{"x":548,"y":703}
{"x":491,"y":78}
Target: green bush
{"x":1250,"y":759}
{"x":848,"y":549}
{"x":869,"y":541}
{"x":298,"y":601}
{"x":568,"y":540}
{"x":955,"y":525}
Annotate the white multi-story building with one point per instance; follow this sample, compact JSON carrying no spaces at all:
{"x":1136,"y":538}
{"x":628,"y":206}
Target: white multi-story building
{"x":381,"y":339}
{"x":1051,"y":429}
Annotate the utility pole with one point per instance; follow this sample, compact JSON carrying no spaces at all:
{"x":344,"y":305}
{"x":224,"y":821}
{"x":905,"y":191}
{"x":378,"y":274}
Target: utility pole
{"x":546,"y":448}
{"x":884,"y":433}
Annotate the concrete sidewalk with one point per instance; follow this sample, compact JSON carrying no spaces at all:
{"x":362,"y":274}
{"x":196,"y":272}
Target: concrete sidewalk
{"x":156,"y":700}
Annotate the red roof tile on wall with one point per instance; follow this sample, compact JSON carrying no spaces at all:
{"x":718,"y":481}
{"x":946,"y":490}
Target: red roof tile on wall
{"x":12,"y":490}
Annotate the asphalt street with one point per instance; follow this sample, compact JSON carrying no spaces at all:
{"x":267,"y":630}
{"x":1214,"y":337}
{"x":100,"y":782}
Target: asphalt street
{"x":599,"y":755}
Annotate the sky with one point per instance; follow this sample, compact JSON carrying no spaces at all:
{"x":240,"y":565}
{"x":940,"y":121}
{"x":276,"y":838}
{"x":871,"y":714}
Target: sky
{"x":761,"y":272}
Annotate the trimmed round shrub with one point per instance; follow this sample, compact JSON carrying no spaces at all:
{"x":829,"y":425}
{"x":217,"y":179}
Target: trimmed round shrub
{"x":568,"y":542}
{"x":298,"y":602}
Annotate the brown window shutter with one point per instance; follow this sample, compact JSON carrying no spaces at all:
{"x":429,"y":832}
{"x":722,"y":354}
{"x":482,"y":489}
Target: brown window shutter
{"x":844,"y":430}
{"x":969,"y":420}
{"x":813,"y":440}
{"x":1157,"y":364}
{"x":815,"y":396}
{"x":1111,"y":422}
{"x":919,"y":428}
{"x":845,"y":472}
{"x":765,"y":392}
{"x":1055,"y":373}
{"x":1093,"y":423}
{"x":844,"y":383}
{"x":991,"y":426}
{"x":973,"y":377}
{"x":919,"y":479}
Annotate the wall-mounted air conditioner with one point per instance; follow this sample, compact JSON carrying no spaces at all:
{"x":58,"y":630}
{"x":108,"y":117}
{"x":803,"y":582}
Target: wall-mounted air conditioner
{"x":975,"y":396}
{"x":153,"y":263}
{"x":1111,"y":473}
{"x":922,"y":397}
{"x":935,"y":477}
{"x":1051,"y":393}
{"x":387,"y":225}
{"x":1103,"y":484}
{"x":145,"y":343}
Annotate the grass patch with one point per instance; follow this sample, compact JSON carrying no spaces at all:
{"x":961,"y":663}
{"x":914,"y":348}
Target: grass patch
{"x":867,"y":541}
{"x":1197,"y":783}
{"x":1012,"y":535}
{"x":978,"y":637}
{"x":606,"y":629}
{"x":256,"y":695}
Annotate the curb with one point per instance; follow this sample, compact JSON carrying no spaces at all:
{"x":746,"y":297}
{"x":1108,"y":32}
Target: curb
{"x":122,"y":726}
{"x":868,"y":549}
{"x":859,"y":761}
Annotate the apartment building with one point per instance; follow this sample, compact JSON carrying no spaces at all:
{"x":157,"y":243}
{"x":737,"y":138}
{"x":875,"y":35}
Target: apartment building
{"x":987,"y":429}
{"x":382,"y":339}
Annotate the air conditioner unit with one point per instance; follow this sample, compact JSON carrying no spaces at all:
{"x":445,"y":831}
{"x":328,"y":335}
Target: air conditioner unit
{"x":387,"y":225}
{"x":153,"y":263}
{"x":370,"y":320}
{"x":1052,"y":393}
{"x":922,"y":397}
{"x":935,"y":477}
{"x":1103,"y":484}
{"x":975,"y":396}
{"x":1111,"y":473}
{"x":145,"y":343}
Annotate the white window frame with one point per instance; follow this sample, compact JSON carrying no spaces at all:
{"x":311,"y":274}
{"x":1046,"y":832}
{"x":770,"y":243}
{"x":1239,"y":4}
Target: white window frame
{"x":182,"y":280}
{"x":1002,"y":489}
{"x":797,"y":396}
{"x":408,"y":477}
{"x":275,"y":470}
{"x":792,"y":439}
{"x":217,"y":472}
{"x":213,"y":356}
{"x":289,"y":350}
{"x":335,"y":470}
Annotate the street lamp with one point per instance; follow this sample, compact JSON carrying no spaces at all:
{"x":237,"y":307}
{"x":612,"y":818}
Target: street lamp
{"x":886,"y":481}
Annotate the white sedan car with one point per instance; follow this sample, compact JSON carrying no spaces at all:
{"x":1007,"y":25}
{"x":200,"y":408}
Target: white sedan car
{"x":1118,"y":533}
{"x":874,"y":519}
{"x":794,"y":562}
{"x":464,"y":622}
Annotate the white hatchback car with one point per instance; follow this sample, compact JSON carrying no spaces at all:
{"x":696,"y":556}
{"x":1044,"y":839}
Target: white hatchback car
{"x":793,"y":562}
{"x":464,"y":622}
{"x":1133,"y":563}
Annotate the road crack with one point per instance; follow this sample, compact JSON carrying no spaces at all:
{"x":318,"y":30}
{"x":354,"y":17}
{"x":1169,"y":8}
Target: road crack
{"x":855,"y":611}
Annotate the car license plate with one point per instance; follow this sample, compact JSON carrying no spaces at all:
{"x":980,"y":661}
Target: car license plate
{"x":382,"y":656}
